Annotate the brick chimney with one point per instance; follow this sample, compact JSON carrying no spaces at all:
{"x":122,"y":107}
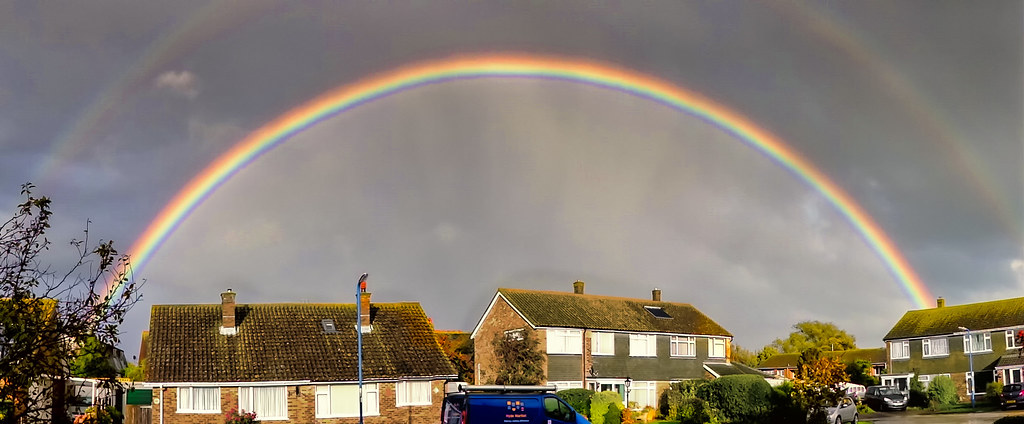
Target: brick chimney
{"x":656,"y":294}
{"x":364,"y":310}
{"x":940,"y":302}
{"x":577,"y":287}
{"x":227,"y":308}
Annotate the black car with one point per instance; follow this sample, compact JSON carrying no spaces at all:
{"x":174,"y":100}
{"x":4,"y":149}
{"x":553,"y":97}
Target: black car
{"x":1013,"y":395}
{"x":885,"y":398}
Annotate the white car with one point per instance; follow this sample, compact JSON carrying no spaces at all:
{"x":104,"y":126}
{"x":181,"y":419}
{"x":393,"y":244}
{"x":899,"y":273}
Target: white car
{"x":844,"y":412}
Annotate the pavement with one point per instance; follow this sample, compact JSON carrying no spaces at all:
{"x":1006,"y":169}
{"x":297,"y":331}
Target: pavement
{"x":918,"y":418}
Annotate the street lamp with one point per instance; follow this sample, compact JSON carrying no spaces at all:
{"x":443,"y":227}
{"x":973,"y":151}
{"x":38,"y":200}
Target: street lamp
{"x":359,"y":337}
{"x":970,"y":360}
{"x":628,"y":382}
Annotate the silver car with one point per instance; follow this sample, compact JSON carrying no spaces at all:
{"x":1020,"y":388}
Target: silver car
{"x":844,"y":412}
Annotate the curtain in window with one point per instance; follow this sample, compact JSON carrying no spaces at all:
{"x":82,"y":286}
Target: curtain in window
{"x":266,"y":402}
{"x":413,"y":393}
{"x":206,"y":398}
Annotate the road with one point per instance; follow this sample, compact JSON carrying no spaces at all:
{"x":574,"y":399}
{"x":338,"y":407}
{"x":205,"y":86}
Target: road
{"x":902,"y":417}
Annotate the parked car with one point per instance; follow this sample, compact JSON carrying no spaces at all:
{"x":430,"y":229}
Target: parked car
{"x":468,"y":404}
{"x":882,"y":398}
{"x":844,"y":412}
{"x":1013,"y":395}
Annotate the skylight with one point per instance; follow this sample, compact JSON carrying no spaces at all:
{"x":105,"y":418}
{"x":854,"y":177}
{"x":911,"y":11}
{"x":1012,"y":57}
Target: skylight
{"x":328,"y":325}
{"x":657,"y":312}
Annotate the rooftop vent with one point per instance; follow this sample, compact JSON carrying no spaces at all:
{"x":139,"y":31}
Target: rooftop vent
{"x":657,"y":312}
{"x":328,"y":325}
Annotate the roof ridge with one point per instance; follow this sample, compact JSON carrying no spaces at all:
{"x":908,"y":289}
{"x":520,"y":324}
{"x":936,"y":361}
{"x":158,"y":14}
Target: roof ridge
{"x":601,"y":296}
{"x":293,"y":304}
{"x":975,"y":304}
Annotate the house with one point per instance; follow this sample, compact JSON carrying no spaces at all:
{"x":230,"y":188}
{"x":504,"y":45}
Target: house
{"x":604,"y":343}
{"x":953,"y":340}
{"x":294,"y":362}
{"x":784,"y":364}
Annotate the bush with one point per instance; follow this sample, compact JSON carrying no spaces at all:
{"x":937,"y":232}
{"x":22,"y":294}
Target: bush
{"x":785,"y":408}
{"x":918,"y":397}
{"x":992,"y":392}
{"x":695,"y":411}
{"x":739,"y":398}
{"x":672,"y":398}
{"x":605,"y":405}
{"x":578,"y":399}
{"x":942,"y":391}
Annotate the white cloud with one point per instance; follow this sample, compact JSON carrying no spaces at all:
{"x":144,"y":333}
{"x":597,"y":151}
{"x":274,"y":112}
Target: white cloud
{"x":180,"y":83}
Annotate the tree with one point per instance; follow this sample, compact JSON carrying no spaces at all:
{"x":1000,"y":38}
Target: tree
{"x":135,"y":372}
{"x":766,"y":352}
{"x":817,"y":383}
{"x":744,"y":356}
{"x":519,"y":359}
{"x":815,"y":334}
{"x":458,"y":347}
{"x":859,"y":372}
{"x":94,"y":361}
{"x":46,"y":316}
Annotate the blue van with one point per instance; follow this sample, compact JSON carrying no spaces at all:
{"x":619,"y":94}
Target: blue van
{"x":468,"y":404}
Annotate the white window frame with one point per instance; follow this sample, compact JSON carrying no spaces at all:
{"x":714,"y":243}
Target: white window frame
{"x":404,"y":388}
{"x":902,"y":353}
{"x":1008,"y":375}
{"x":643,"y":345}
{"x":565,"y":341}
{"x":1011,"y":341}
{"x":191,"y":396}
{"x":986,"y":341}
{"x":636,"y":387}
{"x":713,"y":344}
{"x":928,"y":347}
{"x":565,"y":385}
{"x":602,"y":344}
{"x":371,"y":400}
{"x":678,"y":342}
{"x":283,"y":396}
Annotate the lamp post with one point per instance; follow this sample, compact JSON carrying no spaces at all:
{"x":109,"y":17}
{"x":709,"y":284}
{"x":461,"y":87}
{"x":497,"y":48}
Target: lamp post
{"x":628,"y":382}
{"x":970,"y":360}
{"x":359,"y":338}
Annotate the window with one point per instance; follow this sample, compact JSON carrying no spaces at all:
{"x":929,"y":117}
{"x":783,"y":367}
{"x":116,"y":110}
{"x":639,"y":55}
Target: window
{"x":716,"y":348}
{"x":565,"y":385}
{"x":199,"y":400}
{"x":565,"y":341}
{"x":269,"y":403}
{"x":977,"y":342}
{"x":516,"y":334}
{"x":412,"y":393}
{"x":342,"y":400}
{"x":642,"y":345}
{"x":683,"y":346}
{"x":935,"y":347}
{"x":602,"y":343}
{"x":899,"y":350}
{"x":1011,"y":375}
{"x":657,"y":312}
{"x":643,"y":394}
{"x":1011,"y":342}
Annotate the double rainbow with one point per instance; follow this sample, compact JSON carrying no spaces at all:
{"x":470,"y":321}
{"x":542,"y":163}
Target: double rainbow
{"x":517,"y":66}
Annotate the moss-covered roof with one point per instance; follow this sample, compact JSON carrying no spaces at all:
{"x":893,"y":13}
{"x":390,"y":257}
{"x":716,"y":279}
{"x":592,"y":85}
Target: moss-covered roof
{"x":788,"y":360}
{"x":571,"y":310}
{"x":946,"y":320}
{"x":287,"y":342}
{"x":733,"y":368}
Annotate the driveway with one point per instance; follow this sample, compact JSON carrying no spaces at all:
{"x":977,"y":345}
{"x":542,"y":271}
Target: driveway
{"x":903,"y":417}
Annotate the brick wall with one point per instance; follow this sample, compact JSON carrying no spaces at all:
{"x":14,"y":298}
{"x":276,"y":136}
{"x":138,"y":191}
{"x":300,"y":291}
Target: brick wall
{"x":500,"y":318}
{"x":302,"y":407}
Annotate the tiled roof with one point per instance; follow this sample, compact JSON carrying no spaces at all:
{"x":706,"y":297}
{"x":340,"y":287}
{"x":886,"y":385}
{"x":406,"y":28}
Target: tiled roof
{"x":789,"y":360}
{"x":1013,"y":358}
{"x":286,"y":342}
{"x":733,"y":368}
{"x":571,"y":310}
{"x":945,"y":320}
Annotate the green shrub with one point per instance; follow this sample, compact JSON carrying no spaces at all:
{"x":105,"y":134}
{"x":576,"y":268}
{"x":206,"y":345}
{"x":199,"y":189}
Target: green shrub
{"x":992,"y":392}
{"x":613,"y":415}
{"x":785,"y":408}
{"x":864,"y":409}
{"x":601,"y":403}
{"x":942,"y":391}
{"x":918,"y":396}
{"x":672,"y":397}
{"x":739,"y":398}
{"x":695,"y":411}
{"x":578,"y":399}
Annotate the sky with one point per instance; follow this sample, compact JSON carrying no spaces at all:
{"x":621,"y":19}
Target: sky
{"x":445,"y":192}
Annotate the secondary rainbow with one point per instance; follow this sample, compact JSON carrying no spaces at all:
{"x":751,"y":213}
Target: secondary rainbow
{"x":381,"y":85}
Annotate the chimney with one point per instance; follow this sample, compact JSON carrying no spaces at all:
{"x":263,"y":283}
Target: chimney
{"x":940,"y":302}
{"x":227,"y":308}
{"x":364,"y":311}
{"x":656,"y":294}
{"x":577,"y":287}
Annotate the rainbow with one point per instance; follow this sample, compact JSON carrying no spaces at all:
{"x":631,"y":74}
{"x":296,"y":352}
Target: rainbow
{"x":385,"y":84}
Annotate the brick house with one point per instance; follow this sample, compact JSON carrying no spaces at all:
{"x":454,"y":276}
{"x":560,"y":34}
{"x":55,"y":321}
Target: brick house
{"x":784,"y":364}
{"x":601,"y":342}
{"x":947,"y":340}
{"x":294,"y":362}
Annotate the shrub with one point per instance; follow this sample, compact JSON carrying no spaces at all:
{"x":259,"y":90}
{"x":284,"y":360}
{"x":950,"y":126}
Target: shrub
{"x":739,"y":398}
{"x":942,"y":391}
{"x":864,"y":409}
{"x":918,"y":397}
{"x":578,"y":399}
{"x":992,"y":391}
{"x":601,"y":406}
{"x":672,"y":398}
{"x":785,"y":408}
{"x":695,"y":411}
